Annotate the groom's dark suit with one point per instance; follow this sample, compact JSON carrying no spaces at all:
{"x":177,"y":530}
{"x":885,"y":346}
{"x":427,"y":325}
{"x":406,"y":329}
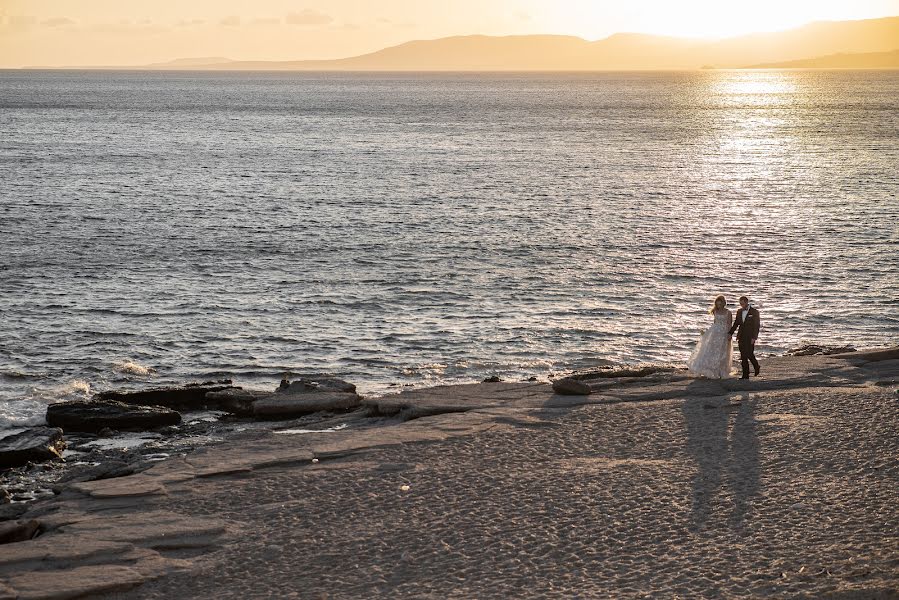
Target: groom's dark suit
{"x":747,"y":332}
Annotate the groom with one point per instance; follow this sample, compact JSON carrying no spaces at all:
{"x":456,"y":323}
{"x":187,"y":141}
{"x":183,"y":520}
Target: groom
{"x":747,"y":327}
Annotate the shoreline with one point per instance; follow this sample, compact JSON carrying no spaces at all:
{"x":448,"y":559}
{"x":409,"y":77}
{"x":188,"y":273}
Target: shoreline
{"x":174,"y":499}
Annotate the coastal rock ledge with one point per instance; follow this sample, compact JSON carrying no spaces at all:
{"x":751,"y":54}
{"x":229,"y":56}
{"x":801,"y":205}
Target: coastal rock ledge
{"x":93,"y":415}
{"x":34,"y":445}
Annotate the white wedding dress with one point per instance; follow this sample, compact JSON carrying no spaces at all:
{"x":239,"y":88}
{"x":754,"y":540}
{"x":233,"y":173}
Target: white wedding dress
{"x":712,"y":356}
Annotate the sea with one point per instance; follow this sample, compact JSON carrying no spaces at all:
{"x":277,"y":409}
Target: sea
{"x":401,"y":229}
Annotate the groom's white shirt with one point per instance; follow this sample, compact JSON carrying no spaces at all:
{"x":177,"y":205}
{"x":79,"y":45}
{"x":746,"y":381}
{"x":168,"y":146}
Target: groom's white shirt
{"x":745,"y":312}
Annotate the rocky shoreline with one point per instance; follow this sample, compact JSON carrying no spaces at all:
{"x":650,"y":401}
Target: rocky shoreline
{"x":122,"y":518}
{"x":118,"y":433}
{"x":122,"y":432}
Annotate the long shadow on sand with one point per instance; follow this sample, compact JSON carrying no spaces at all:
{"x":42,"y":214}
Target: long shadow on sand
{"x":722,"y":439}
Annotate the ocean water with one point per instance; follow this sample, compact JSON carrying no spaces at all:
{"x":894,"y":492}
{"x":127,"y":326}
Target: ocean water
{"x":416,"y":229}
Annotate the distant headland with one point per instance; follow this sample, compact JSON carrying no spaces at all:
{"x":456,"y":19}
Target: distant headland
{"x":861,"y":44}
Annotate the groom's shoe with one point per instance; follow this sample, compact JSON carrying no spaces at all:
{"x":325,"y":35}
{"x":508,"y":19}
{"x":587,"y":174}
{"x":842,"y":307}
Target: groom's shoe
{"x":757,"y":371}
{"x":745,"y":377}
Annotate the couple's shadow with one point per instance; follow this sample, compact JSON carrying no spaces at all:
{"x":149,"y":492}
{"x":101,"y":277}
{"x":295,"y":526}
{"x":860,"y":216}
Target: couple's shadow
{"x":722,"y":439}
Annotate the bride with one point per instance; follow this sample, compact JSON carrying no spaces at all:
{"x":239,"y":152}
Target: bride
{"x":712,"y":356}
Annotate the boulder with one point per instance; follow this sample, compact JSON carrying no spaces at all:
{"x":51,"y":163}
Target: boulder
{"x":95,"y":415}
{"x":288,"y":405}
{"x":571,"y":387}
{"x":18,"y":531}
{"x":235,"y":400}
{"x":187,"y":397}
{"x":33,"y":445}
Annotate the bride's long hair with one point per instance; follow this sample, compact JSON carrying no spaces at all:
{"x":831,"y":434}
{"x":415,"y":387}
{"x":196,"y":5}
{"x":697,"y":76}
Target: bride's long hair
{"x":715,"y":304}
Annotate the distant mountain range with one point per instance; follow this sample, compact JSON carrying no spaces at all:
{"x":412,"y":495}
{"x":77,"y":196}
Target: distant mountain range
{"x":870,"y":43}
{"x":868,"y":60}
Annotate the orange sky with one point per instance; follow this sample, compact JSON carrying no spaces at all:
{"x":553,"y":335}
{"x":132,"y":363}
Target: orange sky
{"x":133,"y":32}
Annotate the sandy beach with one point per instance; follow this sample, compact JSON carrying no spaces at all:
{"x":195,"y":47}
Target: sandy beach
{"x":658,"y":486}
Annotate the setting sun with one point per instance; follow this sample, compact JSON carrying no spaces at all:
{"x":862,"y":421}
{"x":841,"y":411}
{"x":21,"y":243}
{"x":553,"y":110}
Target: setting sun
{"x":104,"y":32}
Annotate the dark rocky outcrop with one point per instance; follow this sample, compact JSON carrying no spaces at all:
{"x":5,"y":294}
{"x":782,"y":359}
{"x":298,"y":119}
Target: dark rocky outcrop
{"x":308,"y":395}
{"x":237,"y":401}
{"x":33,"y":445}
{"x":571,"y":387}
{"x":816,"y":350}
{"x":95,"y":415}
{"x":187,"y":397}
{"x":614,"y":372}
{"x":316,"y":383}
{"x":18,"y":531}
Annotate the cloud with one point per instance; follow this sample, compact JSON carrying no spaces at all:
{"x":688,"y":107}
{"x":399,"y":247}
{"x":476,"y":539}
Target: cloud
{"x":57,"y":22}
{"x":308,"y":17}
{"x":230,"y":21}
{"x":190,"y":22}
{"x":128,"y":27}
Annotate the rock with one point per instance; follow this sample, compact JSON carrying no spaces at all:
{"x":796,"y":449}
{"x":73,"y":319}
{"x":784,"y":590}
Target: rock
{"x":188,"y":397}
{"x":4,"y":496}
{"x":105,"y":470}
{"x":32,"y":445}
{"x":817,"y":350}
{"x":316,"y":383}
{"x":96,"y":415}
{"x":12,"y":511}
{"x":571,"y":387}
{"x":236,"y":400}
{"x":18,"y":531}
{"x":614,"y":372}
{"x":492,"y":379}
{"x":286,"y":405}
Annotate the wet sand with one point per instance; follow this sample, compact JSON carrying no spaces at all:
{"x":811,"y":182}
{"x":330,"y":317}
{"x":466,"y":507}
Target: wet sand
{"x":660,"y":486}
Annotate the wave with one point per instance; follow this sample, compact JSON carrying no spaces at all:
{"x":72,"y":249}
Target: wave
{"x":133,"y":368}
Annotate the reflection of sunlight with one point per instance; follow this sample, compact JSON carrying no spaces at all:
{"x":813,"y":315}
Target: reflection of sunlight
{"x":753,"y":87}
{"x":753,"y":125}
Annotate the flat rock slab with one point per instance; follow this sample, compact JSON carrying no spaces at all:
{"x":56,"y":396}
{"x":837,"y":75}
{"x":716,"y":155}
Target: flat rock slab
{"x":18,"y":531}
{"x":94,"y":415}
{"x":873,"y":355}
{"x":140,"y":484}
{"x":285,"y":404}
{"x":461,"y":398}
{"x":33,"y":445}
{"x":188,"y":397}
{"x":74,"y":583}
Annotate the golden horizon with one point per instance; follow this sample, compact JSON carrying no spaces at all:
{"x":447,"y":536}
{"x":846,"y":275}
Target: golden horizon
{"x":104,"y":32}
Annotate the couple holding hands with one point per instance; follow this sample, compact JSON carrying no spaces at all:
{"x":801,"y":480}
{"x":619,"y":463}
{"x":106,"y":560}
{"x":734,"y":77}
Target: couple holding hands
{"x":713,"y":354}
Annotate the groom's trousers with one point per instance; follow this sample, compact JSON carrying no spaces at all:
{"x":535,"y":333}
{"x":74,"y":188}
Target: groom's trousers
{"x":747,"y":355}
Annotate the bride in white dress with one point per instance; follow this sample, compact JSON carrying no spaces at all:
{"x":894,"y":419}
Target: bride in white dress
{"x":712,"y":356}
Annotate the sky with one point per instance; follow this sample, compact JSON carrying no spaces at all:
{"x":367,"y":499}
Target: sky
{"x":136,"y":32}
